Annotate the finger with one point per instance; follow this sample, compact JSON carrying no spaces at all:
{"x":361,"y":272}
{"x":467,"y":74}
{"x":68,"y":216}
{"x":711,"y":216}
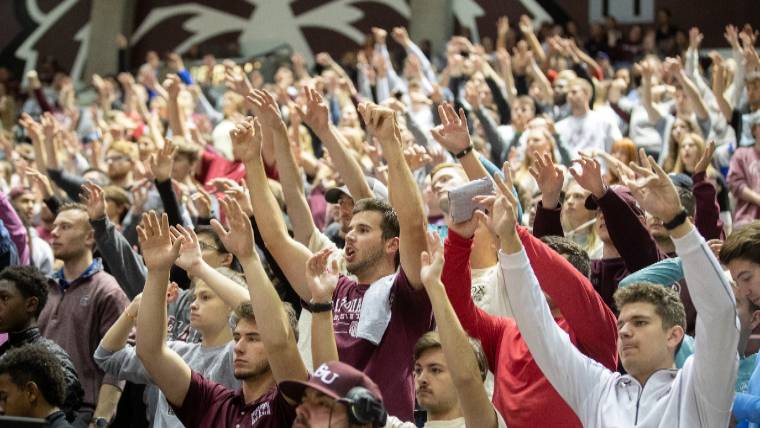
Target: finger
{"x":506,"y":169}
{"x":141,"y":235}
{"x":425,"y":258}
{"x":164,"y":223}
{"x":639,"y":170}
{"x":219,"y":229}
{"x":442,"y":115}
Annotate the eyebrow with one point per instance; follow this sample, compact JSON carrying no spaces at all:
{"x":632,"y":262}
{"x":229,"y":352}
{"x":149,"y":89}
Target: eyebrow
{"x":634,"y":318}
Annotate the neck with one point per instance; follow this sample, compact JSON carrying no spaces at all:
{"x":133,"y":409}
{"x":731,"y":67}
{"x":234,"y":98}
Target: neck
{"x":445,"y":414}
{"x":213,"y":339}
{"x":123,"y":181}
{"x":609,"y":251}
{"x":375,"y":272}
{"x":255,"y":387}
{"x":666,"y":245}
{"x":644,"y":377}
{"x":580,"y":110}
{"x":74,"y":267}
{"x":43,"y":410}
{"x":483,"y":253}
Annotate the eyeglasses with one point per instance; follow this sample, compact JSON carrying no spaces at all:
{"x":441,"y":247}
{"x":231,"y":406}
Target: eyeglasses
{"x":207,"y":246}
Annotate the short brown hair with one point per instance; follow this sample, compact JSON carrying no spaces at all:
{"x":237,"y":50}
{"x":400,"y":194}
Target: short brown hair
{"x":743,"y":243}
{"x":584,"y":84}
{"x":244,"y":311}
{"x":389,"y":224}
{"x":431,"y":340}
{"x":667,"y":304}
{"x":124,"y":147}
{"x":445,"y":165}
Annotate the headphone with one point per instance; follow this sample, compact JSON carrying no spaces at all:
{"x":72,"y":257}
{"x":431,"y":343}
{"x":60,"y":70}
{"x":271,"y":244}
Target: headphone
{"x":364,"y":408}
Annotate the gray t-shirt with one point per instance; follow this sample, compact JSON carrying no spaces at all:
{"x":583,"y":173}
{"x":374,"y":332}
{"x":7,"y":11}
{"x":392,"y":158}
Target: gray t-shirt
{"x":215,"y":364}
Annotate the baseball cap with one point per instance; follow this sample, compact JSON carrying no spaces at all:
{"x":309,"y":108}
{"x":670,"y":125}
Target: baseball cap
{"x":681,"y":180}
{"x":334,"y":379}
{"x":624,"y":193}
{"x":378,"y":189}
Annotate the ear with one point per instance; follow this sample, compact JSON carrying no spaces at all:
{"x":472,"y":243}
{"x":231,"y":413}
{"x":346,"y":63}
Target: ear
{"x":32,"y":304}
{"x":32,"y":392}
{"x":755,"y":319}
{"x":227,"y":260}
{"x":392,"y":245}
{"x":90,"y":240}
{"x":675,"y":336}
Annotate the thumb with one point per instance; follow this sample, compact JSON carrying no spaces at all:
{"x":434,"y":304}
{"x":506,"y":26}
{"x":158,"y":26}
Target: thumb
{"x":425,"y":258}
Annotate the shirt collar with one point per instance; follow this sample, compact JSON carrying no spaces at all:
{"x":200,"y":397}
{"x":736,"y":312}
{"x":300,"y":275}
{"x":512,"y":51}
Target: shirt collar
{"x":94,"y":267}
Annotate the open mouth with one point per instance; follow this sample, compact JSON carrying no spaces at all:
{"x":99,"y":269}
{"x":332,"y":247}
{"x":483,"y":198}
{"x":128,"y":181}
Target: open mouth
{"x":350,"y":253}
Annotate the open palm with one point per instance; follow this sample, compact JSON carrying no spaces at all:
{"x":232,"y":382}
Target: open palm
{"x":158,"y":248}
{"x":452,"y":133}
{"x":320,"y":279}
{"x":431,"y":261}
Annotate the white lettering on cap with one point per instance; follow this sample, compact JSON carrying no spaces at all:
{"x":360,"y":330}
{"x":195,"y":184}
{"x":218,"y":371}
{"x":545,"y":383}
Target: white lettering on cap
{"x":324,"y":374}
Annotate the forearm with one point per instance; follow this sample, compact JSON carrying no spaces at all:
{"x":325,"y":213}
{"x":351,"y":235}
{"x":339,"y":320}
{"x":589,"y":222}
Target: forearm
{"x":347,"y":165}
{"x":116,"y":337}
{"x":151,"y":330}
{"x":473,"y":167}
{"x":646,"y":100}
{"x":535,"y":46}
{"x":169,"y":201}
{"x":492,"y":135}
{"x":176,"y":123}
{"x":108,"y":401}
{"x":749,"y":195}
{"x":696,"y":100}
{"x":630,"y":236}
{"x":293,"y":193}
{"x":228,"y":290}
{"x":707,"y":212}
{"x":323,"y":346}
{"x":270,"y":316}
{"x":70,"y":184}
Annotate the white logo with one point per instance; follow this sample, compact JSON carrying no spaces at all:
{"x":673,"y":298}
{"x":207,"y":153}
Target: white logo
{"x":324,"y":374}
{"x":352,"y":329}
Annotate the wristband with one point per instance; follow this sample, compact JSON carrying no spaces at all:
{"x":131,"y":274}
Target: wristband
{"x":316,"y":308}
{"x":463,"y":153}
{"x":678,"y":220}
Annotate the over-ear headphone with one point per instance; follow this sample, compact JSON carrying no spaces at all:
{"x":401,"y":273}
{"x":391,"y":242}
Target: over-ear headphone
{"x":364,"y":408}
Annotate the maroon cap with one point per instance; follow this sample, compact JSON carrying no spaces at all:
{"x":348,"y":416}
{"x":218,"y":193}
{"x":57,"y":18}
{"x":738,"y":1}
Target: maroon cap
{"x":333,"y":379}
{"x":623,"y":193}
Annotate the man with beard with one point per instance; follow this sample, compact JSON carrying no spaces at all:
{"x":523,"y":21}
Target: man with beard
{"x":381,"y":237}
{"x":264,"y":335}
{"x":92,"y":303}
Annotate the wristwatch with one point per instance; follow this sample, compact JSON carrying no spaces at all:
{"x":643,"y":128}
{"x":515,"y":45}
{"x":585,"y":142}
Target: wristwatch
{"x":678,"y":220}
{"x":101,"y":422}
{"x":463,"y":153}
{"x":315,"y":307}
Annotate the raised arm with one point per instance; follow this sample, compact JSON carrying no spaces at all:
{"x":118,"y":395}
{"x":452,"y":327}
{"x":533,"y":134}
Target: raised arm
{"x":271,"y":318}
{"x":404,"y":195}
{"x":191,"y":260}
{"x":116,"y":337}
{"x":125,"y":264}
{"x":717,"y":329}
{"x":288,"y":253}
{"x":169,"y":372}
{"x":526,"y":27}
{"x":176,"y":120}
{"x":460,"y":359}
{"x":454,"y":136}
{"x":646,"y":69}
{"x":316,"y":116}
{"x":322,"y":280}
{"x":689,"y":88}
{"x":707,"y":210}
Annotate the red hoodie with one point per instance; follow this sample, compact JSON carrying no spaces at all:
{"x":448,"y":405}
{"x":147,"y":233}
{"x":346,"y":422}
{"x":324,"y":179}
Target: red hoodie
{"x":521,"y":392}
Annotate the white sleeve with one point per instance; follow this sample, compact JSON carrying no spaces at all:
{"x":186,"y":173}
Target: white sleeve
{"x":717,"y":328}
{"x":579,"y":380}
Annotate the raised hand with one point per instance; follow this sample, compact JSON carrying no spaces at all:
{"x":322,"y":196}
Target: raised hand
{"x":246,"y":140}
{"x":41,"y":180}
{"x":162,"y":162}
{"x":317,"y":114}
{"x":172,"y":84}
{"x":381,"y":122}
{"x":400,"y":35}
{"x":549,"y":177}
{"x":190,"y":255}
{"x":322,"y":278}
{"x":95,"y":200}
{"x":526,"y":24}
{"x":472,"y":95}
{"x":431,"y":262}
{"x":502,"y":208}
{"x":706,"y":158}
{"x":379,"y":35}
{"x":452,"y":133}
{"x":239,"y":238}
{"x":653,"y":189}
{"x":695,"y":38}
{"x":159,"y":249}
{"x":416,"y":157}
{"x":590,"y":177}
{"x":202,"y":203}
{"x":237,"y":82}
{"x":265,"y":108}
{"x":732,"y":36}
{"x":242,"y":195}
{"x":644,"y":68}
{"x":502,"y":26}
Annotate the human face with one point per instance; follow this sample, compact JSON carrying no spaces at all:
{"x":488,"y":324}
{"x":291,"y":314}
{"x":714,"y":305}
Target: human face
{"x":207,"y":311}
{"x":24,"y":205}
{"x":318,"y":410}
{"x":14,"y":401}
{"x":621,"y":155}
{"x":746,"y":273}
{"x":182,"y":167}
{"x":601,"y":228}
{"x":753,"y":93}
{"x":72,"y":235}
{"x":433,"y":385}
{"x":15,"y":310}
{"x":446,"y":179}
{"x":656,"y":228}
{"x":644,"y":345}
{"x":114,"y":210}
{"x":577,"y":97}
{"x":574,"y":209}
{"x":679,"y":130}
{"x":251,"y":358}
{"x":346,"y":212}
{"x":689,"y":152}
{"x":365,"y":247}
{"x":522,"y":114}
{"x":118,"y":164}
{"x":211,"y":253}
{"x":538,"y":143}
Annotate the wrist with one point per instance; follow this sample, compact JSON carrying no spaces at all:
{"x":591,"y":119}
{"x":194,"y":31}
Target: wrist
{"x":600,"y":192}
{"x":510,"y":243}
{"x":550,"y":201}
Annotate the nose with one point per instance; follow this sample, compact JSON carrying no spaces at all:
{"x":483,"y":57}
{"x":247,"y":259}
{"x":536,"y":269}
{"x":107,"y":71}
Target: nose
{"x":625,"y":331}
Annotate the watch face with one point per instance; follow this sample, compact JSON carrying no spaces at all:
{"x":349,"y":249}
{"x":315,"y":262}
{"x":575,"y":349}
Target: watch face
{"x":101,"y":422}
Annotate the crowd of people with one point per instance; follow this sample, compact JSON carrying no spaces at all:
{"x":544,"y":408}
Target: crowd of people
{"x":539,"y":230}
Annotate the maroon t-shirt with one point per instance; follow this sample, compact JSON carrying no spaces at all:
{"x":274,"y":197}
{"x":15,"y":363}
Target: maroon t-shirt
{"x":210,"y":405}
{"x":391,"y":363}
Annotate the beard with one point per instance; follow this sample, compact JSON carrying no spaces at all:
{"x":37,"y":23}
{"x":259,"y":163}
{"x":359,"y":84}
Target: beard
{"x":259,"y":369}
{"x":359,"y":267}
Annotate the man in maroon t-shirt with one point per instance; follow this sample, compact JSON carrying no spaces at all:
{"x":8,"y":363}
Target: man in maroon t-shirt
{"x":379,"y":237}
{"x":264,"y":334}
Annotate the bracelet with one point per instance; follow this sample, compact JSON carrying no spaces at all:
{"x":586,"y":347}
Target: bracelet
{"x":678,"y":220}
{"x":463,"y":153}
{"x":316,"y":308}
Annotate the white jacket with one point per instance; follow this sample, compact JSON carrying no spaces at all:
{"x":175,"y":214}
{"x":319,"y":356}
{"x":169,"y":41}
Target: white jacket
{"x":698,"y":395}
